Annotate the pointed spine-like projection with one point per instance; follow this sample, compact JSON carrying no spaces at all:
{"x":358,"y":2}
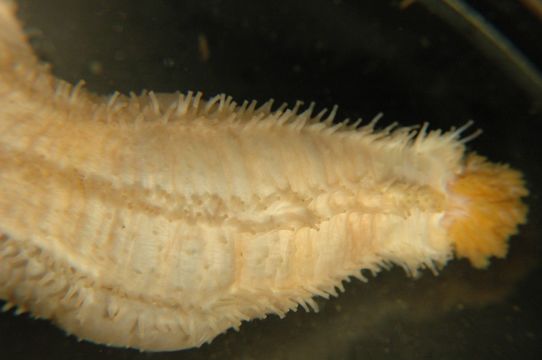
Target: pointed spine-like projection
{"x":159,"y":221}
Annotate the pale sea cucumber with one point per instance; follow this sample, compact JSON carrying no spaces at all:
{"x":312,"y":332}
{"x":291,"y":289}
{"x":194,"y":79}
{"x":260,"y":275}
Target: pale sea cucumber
{"x":158,"y":222}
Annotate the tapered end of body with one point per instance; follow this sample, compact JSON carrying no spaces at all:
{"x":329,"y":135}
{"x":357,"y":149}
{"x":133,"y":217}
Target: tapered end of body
{"x":485,"y":210}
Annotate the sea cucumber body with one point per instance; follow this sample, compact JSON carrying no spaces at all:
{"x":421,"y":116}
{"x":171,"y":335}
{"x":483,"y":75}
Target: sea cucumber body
{"x":196,"y":225}
{"x":158,"y":223}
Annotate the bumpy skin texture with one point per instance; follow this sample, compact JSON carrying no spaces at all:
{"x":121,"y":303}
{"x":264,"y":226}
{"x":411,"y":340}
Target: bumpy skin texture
{"x":160,"y":221}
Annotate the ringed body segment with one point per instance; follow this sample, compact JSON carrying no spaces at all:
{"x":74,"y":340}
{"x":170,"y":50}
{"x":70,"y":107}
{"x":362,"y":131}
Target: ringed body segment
{"x":160,"y":221}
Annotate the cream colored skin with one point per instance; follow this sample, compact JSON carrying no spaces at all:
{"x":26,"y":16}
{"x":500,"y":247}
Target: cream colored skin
{"x":159,"y":224}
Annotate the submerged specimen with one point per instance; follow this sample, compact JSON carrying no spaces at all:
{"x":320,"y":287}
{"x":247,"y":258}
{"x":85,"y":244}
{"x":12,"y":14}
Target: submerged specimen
{"x":160,"y":221}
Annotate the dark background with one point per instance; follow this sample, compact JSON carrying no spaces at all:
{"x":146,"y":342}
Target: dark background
{"x":420,"y":63}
